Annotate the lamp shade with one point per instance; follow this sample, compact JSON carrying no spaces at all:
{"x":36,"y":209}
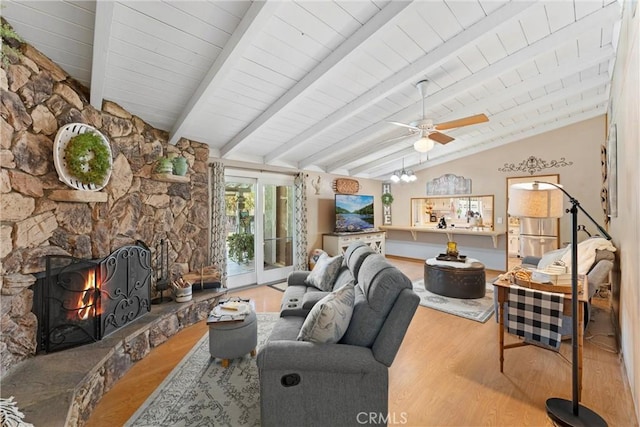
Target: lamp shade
{"x":535,"y":200}
{"x":423,"y":145}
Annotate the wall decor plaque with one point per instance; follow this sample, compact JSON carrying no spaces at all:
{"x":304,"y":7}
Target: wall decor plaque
{"x":449,"y":184}
{"x":612,"y":171}
{"x":534,"y":164}
{"x":386,"y":207}
{"x":346,"y":186}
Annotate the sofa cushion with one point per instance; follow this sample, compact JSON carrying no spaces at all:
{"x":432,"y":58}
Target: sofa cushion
{"x":329,"y":318}
{"x":311,"y":298}
{"x":379,"y":284}
{"x":286,"y":328}
{"x":325,"y":272}
{"x":344,"y":277}
{"x":356,"y":258}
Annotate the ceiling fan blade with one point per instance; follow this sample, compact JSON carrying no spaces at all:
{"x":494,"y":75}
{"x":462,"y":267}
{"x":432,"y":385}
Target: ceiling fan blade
{"x":404,"y":125}
{"x":440,"y":137}
{"x":466,"y":121}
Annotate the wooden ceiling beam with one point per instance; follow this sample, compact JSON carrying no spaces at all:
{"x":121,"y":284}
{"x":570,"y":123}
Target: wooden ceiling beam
{"x":510,"y":62}
{"x":378,"y":22}
{"x":497,"y":98}
{"x":101,"y":35}
{"x":454,"y":152}
{"x":252,"y":23}
{"x":594,"y":111}
{"x":407,"y":75}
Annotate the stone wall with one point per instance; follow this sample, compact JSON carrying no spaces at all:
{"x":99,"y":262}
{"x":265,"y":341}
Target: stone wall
{"x":37,"y":98}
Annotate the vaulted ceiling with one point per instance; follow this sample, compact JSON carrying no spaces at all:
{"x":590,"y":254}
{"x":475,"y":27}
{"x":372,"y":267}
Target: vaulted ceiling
{"x":315,"y":84}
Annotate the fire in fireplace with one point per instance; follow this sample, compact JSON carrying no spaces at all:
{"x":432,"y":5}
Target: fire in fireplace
{"x":80,"y":301}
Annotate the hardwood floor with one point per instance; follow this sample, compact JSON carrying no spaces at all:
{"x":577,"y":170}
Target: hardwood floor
{"x":445,"y":374}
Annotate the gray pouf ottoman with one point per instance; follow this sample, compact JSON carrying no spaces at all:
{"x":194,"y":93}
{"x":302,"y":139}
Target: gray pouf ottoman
{"x":228,"y":340}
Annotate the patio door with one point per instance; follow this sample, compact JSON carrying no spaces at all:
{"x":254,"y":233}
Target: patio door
{"x":260,"y":227}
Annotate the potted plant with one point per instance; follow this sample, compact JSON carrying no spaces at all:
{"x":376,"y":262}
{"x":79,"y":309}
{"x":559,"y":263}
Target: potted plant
{"x":241,"y":247}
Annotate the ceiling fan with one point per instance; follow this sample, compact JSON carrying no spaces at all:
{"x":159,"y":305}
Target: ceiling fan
{"x":429,"y":131}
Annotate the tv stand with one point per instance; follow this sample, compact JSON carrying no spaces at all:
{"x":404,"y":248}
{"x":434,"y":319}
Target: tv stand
{"x":336,"y":243}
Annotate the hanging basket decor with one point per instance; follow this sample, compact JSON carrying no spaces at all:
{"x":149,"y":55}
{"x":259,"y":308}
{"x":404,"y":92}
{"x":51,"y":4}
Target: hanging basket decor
{"x":82,"y":157}
{"x":346,"y":186}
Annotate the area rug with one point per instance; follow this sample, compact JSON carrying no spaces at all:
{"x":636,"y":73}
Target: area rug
{"x":282,"y":286}
{"x":479,"y":309}
{"x":200,"y":392}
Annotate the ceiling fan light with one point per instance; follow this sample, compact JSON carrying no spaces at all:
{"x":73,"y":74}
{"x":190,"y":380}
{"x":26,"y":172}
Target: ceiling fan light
{"x":423,"y":145}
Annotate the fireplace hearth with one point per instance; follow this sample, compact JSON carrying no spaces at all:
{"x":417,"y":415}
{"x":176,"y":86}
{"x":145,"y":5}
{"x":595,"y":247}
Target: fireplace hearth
{"x":79,"y":301}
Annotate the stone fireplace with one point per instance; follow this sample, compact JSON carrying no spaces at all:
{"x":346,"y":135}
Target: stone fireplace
{"x":79,"y":301}
{"x":40,"y":216}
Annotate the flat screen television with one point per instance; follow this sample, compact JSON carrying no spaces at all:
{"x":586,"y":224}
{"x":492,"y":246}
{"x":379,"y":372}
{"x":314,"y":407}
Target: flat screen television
{"x":354,"y":213}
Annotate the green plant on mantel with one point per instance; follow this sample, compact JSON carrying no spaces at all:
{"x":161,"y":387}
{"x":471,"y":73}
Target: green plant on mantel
{"x":241,"y":247}
{"x":11,"y":42}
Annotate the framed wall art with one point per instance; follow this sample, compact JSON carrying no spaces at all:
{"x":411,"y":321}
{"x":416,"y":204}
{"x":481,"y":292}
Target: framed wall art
{"x":449,"y":184}
{"x":612,"y":171}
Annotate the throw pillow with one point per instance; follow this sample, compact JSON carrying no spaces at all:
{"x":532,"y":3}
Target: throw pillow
{"x":325,"y":272}
{"x":313,"y":258}
{"x":328,"y":320}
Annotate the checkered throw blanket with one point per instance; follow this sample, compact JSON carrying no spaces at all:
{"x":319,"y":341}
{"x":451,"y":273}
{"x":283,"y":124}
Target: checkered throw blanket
{"x":535,"y":315}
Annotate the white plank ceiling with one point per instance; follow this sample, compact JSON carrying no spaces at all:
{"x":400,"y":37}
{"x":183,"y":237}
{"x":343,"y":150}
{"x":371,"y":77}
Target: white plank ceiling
{"x":314,"y":84}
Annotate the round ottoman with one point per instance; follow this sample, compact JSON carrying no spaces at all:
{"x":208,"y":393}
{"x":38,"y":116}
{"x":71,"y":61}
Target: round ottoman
{"x":228,"y":340}
{"x":463,"y":280}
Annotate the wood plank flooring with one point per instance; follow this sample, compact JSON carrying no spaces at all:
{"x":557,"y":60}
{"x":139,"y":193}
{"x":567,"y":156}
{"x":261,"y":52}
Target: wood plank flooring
{"x":445,"y":374}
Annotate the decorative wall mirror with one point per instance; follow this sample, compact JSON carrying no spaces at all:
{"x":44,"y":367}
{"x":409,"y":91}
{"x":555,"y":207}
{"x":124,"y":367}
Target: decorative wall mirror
{"x":466,"y":211}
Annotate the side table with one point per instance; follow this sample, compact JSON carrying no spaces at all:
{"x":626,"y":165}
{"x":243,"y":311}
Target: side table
{"x":232,"y":339}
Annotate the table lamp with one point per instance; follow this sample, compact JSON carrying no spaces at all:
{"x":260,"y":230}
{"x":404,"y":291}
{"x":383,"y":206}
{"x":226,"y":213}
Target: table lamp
{"x":544,"y":200}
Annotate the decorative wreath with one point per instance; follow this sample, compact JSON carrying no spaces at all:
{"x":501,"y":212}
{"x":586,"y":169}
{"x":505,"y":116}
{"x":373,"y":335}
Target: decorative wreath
{"x":387,"y":199}
{"x":88,"y":158}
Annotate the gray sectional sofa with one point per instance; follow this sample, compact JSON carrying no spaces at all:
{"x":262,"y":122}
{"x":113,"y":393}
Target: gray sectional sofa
{"x":345,"y":383}
{"x":299,"y":297}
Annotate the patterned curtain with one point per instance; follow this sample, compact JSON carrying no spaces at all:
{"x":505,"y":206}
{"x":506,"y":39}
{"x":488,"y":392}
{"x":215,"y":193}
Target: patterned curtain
{"x":218,"y":221}
{"x":300,"y":194}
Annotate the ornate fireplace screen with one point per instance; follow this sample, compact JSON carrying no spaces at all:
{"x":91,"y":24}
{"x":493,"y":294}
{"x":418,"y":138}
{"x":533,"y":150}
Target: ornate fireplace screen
{"x":82,"y":301}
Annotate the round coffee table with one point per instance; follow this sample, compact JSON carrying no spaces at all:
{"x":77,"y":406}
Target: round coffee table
{"x":463,"y":280}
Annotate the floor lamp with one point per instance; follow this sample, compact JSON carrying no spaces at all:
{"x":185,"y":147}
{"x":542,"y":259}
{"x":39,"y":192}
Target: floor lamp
{"x":544,"y":200}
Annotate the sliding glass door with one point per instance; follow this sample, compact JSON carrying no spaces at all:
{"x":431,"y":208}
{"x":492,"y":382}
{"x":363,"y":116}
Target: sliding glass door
{"x":260,"y":227}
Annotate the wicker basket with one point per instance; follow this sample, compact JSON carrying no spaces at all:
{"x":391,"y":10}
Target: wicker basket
{"x":63,"y":137}
{"x":547,"y":287}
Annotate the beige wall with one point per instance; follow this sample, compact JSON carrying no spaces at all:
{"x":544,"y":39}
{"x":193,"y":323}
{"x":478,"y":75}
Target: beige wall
{"x":579,"y":143}
{"x":624,"y":228}
{"x":320,"y":209}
